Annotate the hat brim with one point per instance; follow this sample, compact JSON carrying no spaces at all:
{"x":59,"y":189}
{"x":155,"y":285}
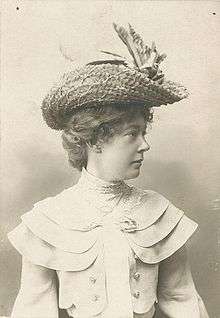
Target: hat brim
{"x":104,"y":84}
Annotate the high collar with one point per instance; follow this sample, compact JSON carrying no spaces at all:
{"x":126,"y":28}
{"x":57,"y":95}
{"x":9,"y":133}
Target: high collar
{"x":101,"y":186}
{"x":100,"y":192}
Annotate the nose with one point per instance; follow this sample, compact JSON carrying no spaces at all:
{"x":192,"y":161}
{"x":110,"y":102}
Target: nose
{"x":144,"y":146}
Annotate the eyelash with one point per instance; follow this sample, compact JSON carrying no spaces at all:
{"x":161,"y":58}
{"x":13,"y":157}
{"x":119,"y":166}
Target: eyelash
{"x":132,"y":133}
{"x":135,"y":133}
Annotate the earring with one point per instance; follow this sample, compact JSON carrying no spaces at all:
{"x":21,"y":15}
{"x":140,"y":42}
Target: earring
{"x":95,"y":147}
{"x":98,"y":148}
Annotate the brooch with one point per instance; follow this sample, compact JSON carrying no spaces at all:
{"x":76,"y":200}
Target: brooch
{"x":127,"y":224}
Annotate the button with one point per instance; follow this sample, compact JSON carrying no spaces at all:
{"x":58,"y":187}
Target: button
{"x":136,"y":275}
{"x":92,"y":279}
{"x":95,"y":297}
{"x":135,"y":256}
{"x":136,"y":294}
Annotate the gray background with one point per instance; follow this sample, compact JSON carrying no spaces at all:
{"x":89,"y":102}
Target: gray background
{"x":183,"y":163}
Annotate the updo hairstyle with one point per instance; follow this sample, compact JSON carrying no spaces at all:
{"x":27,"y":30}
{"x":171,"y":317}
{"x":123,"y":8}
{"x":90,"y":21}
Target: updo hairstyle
{"x":97,"y":124}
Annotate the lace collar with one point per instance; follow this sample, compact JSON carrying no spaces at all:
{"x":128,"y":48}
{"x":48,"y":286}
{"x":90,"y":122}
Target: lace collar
{"x":102,"y":194}
{"x":93,"y":183}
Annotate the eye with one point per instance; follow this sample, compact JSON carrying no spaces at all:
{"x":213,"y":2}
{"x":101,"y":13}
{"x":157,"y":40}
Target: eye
{"x":132,"y":133}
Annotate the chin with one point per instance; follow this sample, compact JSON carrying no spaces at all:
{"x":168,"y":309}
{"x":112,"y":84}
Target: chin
{"x":133,"y":174}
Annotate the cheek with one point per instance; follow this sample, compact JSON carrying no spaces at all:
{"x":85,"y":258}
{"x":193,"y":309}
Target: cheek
{"x":120,"y":155}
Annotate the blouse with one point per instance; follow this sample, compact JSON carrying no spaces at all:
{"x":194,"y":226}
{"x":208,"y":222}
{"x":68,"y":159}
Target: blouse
{"x":105,"y":249}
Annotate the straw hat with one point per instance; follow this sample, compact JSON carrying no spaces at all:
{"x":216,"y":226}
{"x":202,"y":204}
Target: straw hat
{"x":112,"y":81}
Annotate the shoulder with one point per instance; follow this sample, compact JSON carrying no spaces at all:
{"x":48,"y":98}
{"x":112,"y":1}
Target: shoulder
{"x":149,"y":205}
{"x":46,"y":234}
{"x":162,"y":228}
{"x":149,"y":195}
{"x":59,"y":199}
{"x":55,"y":207}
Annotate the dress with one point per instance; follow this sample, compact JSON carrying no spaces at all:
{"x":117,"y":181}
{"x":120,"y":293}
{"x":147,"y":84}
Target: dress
{"x":105,"y":250}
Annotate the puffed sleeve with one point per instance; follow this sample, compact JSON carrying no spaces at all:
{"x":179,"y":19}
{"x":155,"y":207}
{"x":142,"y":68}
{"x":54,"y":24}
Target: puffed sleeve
{"x":37,"y":297}
{"x":177,"y":295}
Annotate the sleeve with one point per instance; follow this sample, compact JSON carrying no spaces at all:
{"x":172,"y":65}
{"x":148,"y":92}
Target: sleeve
{"x":177,"y":295}
{"x":37,"y":297}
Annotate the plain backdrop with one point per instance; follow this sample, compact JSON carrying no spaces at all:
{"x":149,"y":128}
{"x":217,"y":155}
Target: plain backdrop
{"x":184,"y":161}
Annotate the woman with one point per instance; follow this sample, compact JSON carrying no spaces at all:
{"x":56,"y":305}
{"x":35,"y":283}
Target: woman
{"x":103,"y":248}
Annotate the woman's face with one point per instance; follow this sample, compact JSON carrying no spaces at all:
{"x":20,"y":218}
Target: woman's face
{"x":122,"y":156}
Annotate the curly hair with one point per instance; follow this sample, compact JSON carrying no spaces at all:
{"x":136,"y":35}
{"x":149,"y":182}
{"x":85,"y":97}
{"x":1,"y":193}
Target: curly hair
{"x":97,"y":124}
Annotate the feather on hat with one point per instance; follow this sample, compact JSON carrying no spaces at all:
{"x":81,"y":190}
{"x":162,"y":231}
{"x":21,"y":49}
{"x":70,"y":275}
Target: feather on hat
{"x":112,"y":81}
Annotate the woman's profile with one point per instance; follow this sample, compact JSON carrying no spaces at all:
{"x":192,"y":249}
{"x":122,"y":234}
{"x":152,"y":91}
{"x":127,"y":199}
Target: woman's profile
{"x":103,"y":248}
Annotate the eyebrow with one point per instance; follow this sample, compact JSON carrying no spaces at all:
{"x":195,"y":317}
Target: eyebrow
{"x":135,"y":126}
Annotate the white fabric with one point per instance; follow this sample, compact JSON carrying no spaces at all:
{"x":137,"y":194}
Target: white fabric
{"x":105,"y":196}
{"x":37,"y":297}
{"x":117,"y":274}
{"x":177,"y":296}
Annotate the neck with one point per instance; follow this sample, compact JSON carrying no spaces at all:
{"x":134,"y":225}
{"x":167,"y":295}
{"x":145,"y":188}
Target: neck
{"x":102,"y":194}
{"x":103,"y":174}
{"x":93,"y":184}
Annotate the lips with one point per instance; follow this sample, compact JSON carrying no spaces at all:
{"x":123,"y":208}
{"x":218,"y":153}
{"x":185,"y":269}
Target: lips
{"x":137,"y":161}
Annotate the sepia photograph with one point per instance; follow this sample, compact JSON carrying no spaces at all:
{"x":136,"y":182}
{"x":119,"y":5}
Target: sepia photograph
{"x":110,"y":159}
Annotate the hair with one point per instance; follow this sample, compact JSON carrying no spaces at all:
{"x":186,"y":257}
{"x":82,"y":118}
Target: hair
{"x":95,"y":124}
